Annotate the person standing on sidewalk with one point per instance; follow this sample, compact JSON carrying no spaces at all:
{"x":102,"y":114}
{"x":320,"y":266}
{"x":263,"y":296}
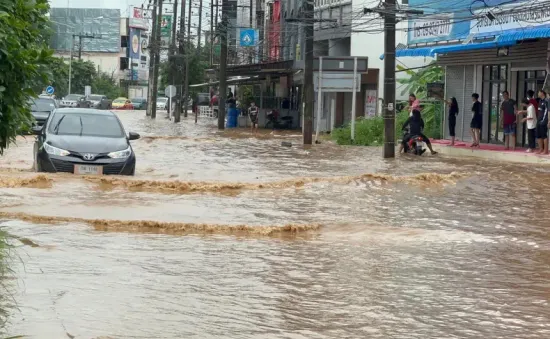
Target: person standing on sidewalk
{"x":542,"y":125}
{"x":477,"y":120}
{"x":453,"y":112}
{"x":508,"y":120}
{"x":531,"y":121}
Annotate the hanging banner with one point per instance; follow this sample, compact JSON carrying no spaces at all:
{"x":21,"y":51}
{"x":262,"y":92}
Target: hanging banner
{"x":135,"y":44}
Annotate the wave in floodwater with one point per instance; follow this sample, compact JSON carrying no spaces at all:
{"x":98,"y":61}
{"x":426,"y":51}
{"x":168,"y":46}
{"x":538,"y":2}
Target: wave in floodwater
{"x":151,"y":138}
{"x":183,"y":187}
{"x":37,"y":181}
{"x":165,"y":227}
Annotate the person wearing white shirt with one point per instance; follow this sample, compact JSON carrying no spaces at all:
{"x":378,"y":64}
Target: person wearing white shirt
{"x":531,"y":121}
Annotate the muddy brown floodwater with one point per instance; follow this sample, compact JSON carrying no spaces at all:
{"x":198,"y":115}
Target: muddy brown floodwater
{"x":227,"y":235}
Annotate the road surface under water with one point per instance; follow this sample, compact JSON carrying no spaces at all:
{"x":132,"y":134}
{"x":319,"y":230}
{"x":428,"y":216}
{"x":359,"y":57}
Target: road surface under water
{"x":227,"y":235}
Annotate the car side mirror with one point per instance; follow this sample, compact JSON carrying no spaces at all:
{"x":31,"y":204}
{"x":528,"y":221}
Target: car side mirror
{"x":37,"y":130}
{"x":133,"y":136}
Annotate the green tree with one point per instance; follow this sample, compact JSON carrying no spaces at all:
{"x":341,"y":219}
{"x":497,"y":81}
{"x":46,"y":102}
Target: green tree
{"x":417,"y":83}
{"x":103,"y":83}
{"x":197,"y":67}
{"x":83,"y":73}
{"x":369,"y":132}
{"x":24,"y":60}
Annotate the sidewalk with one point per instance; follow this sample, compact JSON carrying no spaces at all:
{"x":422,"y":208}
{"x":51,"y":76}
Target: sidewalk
{"x":489,"y":152}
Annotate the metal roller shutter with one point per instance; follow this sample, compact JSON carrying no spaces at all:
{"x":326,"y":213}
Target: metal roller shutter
{"x":454,"y":87}
{"x":468,"y":114}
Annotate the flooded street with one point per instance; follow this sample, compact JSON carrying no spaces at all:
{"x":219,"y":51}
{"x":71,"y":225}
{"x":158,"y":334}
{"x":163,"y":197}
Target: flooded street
{"x":227,"y":235}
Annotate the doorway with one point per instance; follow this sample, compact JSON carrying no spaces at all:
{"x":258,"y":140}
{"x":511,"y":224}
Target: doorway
{"x":528,"y":80}
{"x":495,"y":81}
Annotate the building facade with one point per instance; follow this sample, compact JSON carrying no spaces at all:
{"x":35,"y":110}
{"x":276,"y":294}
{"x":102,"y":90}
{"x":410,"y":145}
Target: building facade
{"x":117,"y":46}
{"x":486,"y":48}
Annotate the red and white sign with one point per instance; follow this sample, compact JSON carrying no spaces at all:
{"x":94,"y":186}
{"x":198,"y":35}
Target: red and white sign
{"x":371,"y":103}
{"x":139,"y":18}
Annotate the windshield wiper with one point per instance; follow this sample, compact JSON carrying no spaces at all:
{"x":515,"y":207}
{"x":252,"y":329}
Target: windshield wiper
{"x":81,"y":126}
{"x":56,"y":127}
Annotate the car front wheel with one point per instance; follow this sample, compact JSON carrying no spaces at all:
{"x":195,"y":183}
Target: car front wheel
{"x":36,"y":164}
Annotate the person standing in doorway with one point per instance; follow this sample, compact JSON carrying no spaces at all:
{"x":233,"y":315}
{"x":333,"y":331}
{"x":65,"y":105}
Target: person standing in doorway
{"x":531,"y":121}
{"x":453,"y":112}
{"x":477,"y":120}
{"x":508,"y":110}
{"x":253,"y":116}
{"x":532,"y":99}
{"x":542,"y":125}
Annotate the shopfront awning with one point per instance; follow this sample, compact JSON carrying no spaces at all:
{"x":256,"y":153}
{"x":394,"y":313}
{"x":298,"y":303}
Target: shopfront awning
{"x":519,"y":34}
{"x":504,"y":39}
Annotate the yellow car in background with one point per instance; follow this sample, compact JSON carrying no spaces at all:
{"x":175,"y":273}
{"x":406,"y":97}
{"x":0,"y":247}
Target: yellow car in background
{"x":122,"y":103}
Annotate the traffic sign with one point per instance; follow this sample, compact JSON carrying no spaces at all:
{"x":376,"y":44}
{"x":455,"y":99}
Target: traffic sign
{"x":247,"y":37}
{"x":170,"y":91}
{"x":50,"y":90}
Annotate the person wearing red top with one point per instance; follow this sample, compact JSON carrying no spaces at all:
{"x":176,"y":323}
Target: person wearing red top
{"x":508,"y":110}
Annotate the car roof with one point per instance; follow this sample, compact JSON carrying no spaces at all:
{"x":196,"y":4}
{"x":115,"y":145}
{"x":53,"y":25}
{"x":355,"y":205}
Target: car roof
{"x":69,"y":110}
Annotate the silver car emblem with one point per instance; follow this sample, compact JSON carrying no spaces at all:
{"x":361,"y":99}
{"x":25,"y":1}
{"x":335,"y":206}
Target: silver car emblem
{"x":88,"y":156}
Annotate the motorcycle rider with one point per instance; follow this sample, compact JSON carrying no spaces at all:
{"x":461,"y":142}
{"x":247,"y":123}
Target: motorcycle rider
{"x":415,"y":123}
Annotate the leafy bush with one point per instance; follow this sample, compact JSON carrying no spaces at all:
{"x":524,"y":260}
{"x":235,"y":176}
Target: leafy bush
{"x":24,"y":61}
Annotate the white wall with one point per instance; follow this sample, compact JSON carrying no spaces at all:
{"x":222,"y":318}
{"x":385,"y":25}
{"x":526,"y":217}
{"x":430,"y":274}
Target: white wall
{"x":371,"y":45}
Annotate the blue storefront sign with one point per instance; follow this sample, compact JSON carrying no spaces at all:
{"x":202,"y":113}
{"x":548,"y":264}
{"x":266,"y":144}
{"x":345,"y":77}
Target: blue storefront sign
{"x":447,"y":20}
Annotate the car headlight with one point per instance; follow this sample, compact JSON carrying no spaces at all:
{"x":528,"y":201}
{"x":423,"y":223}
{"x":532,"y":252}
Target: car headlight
{"x":121,"y":154}
{"x":55,"y":151}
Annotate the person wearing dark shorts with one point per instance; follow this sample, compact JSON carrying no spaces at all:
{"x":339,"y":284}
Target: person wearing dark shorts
{"x":477,"y":120}
{"x":542,"y":124}
{"x":453,"y":112}
{"x":508,"y":110}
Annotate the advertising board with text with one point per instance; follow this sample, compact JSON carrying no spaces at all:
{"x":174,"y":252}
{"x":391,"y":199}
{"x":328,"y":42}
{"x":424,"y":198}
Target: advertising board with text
{"x":446,"y":20}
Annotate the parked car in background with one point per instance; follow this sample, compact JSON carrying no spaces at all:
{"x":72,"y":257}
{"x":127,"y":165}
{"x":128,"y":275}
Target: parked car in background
{"x":162,"y":103}
{"x":71,"y":100}
{"x":139,"y":103}
{"x":41,"y":108}
{"x":122,"y":103}
{"x":84,"y":141}
{"x":98,"y":101}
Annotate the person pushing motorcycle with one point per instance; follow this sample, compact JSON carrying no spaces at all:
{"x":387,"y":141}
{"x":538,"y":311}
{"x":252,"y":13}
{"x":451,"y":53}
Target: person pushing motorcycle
{"x":415,"y":123}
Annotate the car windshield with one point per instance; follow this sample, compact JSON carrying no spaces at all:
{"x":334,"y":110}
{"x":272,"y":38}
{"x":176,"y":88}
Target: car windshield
{"x":120,"y":101}
{"x":42,"y":105}
{"x":73,"y":97}
{"x":95,"y":125}
{"x":162,"y":100}
{"x":95,"y":97}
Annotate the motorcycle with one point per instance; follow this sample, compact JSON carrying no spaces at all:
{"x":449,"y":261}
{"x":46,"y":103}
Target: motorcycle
{"x":274,"y":122}
{"x":415,"y":144}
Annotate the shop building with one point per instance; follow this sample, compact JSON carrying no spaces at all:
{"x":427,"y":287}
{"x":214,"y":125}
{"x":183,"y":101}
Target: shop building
{"x":484,"y":50}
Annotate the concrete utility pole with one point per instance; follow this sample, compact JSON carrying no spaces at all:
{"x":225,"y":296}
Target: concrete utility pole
{"x":223,"y":66}
{"x":152,"y":50}
{"x":80,"y":37}
{"x":157,"y":61}
{"x":172,"y":50}
{"x":308,"y":75}
{"x":389,"y":79}
{"x":181,"y":53}
{"x":199,"y":31}
{"x":187,"y":57}
{"x":211,"y":32}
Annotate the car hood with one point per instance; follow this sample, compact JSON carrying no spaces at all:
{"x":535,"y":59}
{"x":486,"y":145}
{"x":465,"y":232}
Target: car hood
{"x":87,"y":144}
